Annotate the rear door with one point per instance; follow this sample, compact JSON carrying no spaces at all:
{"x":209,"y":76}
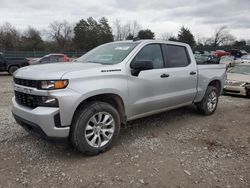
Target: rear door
{"x":182,"y":81}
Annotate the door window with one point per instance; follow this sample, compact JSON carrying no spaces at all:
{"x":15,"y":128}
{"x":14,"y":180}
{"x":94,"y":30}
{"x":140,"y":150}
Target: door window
{"x":45,"y":60}
{"x":177,"y":56}
{"x":55,"y":58}
{"x":151,"y":52}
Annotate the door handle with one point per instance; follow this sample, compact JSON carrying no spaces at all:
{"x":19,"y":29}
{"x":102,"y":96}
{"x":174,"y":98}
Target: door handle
{"x":164,"y":75}
{"x":192,"y":73}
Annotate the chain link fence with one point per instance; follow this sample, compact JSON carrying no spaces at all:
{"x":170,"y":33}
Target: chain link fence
{"x":211,"y":48}
{"x":34,"y":54}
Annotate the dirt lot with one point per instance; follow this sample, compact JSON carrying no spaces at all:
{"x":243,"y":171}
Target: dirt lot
{"x":179,"y":148}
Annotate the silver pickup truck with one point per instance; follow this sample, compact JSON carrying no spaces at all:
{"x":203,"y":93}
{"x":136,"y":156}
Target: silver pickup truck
{"x":88,"y":100}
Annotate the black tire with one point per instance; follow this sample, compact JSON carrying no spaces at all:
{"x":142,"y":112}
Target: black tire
{"x":224,"y":92}
{"x":202,"y":106}
{"x":12,"y":69}
{"x":78,"y":127}
{"x":248,"y":93}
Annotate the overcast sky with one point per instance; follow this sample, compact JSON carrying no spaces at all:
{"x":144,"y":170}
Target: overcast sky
{"x":201,"y":17}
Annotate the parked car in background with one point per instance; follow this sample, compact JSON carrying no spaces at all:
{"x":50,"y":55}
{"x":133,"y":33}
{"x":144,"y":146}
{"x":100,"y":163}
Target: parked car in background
{"x":244,"y":59}
{"x":201,"y":52}
{"x":206,"y":59}
{"x":51,"y":58}
{"x":237,"y":53}
{"x":229,"y":61}
{"x":220,"y":53}
{"x":11,"y":64}
{"x":238,"y":80}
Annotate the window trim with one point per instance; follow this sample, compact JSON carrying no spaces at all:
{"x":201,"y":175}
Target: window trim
{"x":168,"y":60}
{"x":162,"y":53}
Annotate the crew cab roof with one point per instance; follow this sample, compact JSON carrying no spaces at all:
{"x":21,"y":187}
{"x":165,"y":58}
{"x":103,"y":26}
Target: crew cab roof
{"x":148,"y":41}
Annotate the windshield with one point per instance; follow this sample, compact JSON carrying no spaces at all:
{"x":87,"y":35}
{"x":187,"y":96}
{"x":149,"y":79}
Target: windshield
{"x":242,"y":69}
{"x":111,"y":53}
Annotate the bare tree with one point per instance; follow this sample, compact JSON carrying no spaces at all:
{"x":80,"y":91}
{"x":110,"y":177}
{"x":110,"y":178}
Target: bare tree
{"x":222,"y":36}
{"x":9,"y":37}
{"x":117,"y":30}
{"x":31,"y":40}
{"x":135,"y":27}
{"x":61,"y":32}
{"x":122,"y":31}
{"x":166,"y":36}
{"x":205,"y":41}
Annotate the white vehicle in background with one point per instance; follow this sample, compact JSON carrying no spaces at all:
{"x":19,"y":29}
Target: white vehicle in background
{"x":238,"y":80}
{"x":245,"y":59}
{"x":229,"y":61}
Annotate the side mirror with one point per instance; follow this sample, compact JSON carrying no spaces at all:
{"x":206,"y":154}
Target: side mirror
{"x":138,"y":66}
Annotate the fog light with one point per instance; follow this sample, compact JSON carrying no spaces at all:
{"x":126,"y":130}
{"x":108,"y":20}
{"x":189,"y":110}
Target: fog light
{"x":49,"y":101}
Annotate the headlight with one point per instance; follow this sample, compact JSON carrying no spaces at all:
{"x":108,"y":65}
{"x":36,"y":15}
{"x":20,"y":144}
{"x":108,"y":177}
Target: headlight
{"x":52,"y":84}
{"x":234,"y":83}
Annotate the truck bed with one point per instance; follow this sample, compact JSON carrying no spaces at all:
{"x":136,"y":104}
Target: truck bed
{"x":207,"y":73}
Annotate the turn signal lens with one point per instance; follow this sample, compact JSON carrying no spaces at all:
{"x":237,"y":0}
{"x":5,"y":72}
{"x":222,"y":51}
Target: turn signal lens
{"x":60,"y":84}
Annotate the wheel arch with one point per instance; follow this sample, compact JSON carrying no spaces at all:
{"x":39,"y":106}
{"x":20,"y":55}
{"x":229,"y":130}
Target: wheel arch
{"x":216,"y":84}
{"x":12,"y":65}
{"x":113,"y":99}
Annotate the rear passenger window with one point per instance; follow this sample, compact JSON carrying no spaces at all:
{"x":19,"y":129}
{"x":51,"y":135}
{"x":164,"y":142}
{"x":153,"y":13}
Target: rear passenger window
{"x":177,"y":56}
{"x":151,"y":52}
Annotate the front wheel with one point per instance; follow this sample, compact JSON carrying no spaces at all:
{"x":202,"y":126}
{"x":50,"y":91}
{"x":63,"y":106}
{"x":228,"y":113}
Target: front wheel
{"x":95,"y":128}
{"x":209,"y":102}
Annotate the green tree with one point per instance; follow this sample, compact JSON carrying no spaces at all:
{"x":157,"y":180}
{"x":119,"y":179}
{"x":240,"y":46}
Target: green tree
{"x":90,"y":33}
{"x":105,"y":34}
{"x":186,"y":36}
{"x":146,"y":34}
{"x":81,"y":35}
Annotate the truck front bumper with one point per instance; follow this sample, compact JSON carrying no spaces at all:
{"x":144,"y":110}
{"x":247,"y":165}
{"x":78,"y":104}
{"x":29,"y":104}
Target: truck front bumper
{"x":41,"y":121}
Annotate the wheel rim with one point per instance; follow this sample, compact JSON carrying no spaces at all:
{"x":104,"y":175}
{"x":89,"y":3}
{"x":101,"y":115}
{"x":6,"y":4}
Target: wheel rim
{"x":212,"y":101}
{"x":100,"y":129}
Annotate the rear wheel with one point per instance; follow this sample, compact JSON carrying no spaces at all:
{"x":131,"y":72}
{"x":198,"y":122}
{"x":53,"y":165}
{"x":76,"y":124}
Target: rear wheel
{"x":12,"y":69}
{"x":95,"y":128}
{"x":209,"y":102}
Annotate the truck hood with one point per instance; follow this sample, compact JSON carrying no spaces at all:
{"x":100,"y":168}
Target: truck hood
{"x":52,"y":71}
{"x":238,"y":77}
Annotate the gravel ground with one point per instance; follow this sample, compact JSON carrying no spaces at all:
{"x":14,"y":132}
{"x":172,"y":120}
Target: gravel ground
{"x":179,"y":148}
